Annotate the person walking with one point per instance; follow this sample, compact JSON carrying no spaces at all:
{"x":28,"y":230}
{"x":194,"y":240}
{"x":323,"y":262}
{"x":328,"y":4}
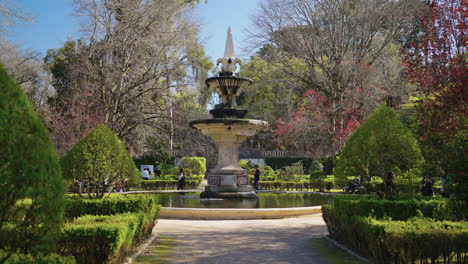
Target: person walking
{"x":389,"y":183}
{"x":427,"y":185}
{"x":256,"y":178}
{"x":146,"y":174}
{"x":181,"y":184}
{"x":445,"y":183}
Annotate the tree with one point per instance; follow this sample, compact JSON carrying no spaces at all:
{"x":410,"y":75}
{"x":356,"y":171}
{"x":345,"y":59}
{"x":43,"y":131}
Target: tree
{"x":32,"y":196}
{"x":343,"y":45}
{"x":101,"y":160}
{"x":437,"y":63}
{"x":71,"y":120}
{"x":380,"y":145}
{"x":10,"y":15}
{"x":272,"y":96}
{"x":131,"y":63}
{"x":136,"y":52}
{"x":23,"y":65}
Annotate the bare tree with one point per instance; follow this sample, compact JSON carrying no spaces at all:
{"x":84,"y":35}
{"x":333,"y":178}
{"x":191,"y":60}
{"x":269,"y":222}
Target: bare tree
{"x":23,"y":65}
{"x":343,"y":44}
{"x":132,"y":58}
{"x":10,"y":15}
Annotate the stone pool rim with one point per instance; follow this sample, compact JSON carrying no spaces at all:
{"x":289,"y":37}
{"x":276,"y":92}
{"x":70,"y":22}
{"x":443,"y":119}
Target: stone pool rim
{"x":236,"y":213}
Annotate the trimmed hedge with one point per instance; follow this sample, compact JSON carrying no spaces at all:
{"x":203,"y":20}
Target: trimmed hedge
{"x":99,"y":239}
{"x":114,"y":204}
{"x":415,"y":240}
{"x":107,"y":238}
{"x":365,"y":224}
{"x":289,"y":185}
{"x":40,"y":259}
{"x":436,"y":208}
{"x":420,"y":239}
{"x":279,"y":162}
{"x":167,"y":185}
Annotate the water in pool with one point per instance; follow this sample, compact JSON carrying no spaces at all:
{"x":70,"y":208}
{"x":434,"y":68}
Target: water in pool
{"x":265,"y":200}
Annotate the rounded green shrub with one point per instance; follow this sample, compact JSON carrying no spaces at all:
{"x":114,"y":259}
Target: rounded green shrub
{"x":31,"y":184}
{"x":196,"y":164}
{"x":382,"y":144}
{"x":316,"y":166}
{"x":101,"y":160}
{"x":268,"y":171}
{"x":246,"y":164}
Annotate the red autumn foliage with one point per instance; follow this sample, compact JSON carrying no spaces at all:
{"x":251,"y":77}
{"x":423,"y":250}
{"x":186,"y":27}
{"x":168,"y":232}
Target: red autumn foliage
{"x":314,"y":120}
{"x":72,"y":121}
{"x":437,"y":63}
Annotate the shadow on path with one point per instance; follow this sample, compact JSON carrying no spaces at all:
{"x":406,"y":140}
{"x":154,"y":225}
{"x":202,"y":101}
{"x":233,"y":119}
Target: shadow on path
{"x":239,"y":241}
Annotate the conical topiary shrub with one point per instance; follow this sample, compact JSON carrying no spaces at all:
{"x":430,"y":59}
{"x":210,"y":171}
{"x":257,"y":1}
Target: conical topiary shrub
{"x":382,"y":144}
{"x":31,"y":185}
{"x":100,"y":160}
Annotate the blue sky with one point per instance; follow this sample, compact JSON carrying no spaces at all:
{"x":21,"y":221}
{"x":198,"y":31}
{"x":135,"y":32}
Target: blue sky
{"x":54,"y":24}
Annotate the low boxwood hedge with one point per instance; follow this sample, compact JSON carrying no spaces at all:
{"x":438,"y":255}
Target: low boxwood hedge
{"x":365,"y":205}
{"x":110,"y":205}
{"x":288,"y":185}
{"x":107,"y":238}
{"x":400,"y":231}
{"x":168,"y":185}
{"x":417,"y":240}
{"x":104,"y":230}
{"x":14,"y":258}
{"x":99,"y":239}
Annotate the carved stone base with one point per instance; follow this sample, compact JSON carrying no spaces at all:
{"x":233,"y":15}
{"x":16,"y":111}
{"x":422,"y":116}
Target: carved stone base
{"x":228,"y":195}
{"x":229,"y":185}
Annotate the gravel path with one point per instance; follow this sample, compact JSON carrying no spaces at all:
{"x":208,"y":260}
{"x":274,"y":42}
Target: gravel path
{"x":242,"y":241}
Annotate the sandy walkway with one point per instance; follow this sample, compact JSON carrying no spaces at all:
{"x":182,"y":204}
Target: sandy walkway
{"x":242,"y":241}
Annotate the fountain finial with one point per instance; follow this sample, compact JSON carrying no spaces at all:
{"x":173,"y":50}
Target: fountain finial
{"x":229,"y":49}
{"x":229,"y":61}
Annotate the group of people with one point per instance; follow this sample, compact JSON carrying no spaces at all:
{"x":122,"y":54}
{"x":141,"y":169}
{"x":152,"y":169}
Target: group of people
{"x":427,"y":184}
{"x":426,"y":187}
{"x":83,"y":186}
{"x":181,"y":177}
{"x":389,"y":184}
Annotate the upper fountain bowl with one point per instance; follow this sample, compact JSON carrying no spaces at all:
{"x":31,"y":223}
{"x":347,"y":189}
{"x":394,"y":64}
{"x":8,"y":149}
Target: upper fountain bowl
{"x":228,"y":87}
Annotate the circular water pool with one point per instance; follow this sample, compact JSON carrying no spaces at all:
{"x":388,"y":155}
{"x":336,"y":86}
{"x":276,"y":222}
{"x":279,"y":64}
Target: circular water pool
{"x":265,"y":200}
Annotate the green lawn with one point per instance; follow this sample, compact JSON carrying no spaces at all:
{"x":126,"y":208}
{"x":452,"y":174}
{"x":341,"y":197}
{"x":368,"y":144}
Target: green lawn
{"x":332,"y":253}
{"x":158,"y":252}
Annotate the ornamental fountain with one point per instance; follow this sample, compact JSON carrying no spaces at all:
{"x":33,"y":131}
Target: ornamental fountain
{"x":228,"y":128}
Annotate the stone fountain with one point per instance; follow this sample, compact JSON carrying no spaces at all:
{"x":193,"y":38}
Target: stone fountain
{"x":228,"y":128}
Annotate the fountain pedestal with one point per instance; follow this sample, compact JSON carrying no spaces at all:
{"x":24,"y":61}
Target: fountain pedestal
{"x":228,"y":179}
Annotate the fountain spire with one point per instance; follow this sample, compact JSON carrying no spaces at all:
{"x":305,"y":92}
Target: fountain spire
{"x":229,"y":60}
{"x":229,"y":49}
